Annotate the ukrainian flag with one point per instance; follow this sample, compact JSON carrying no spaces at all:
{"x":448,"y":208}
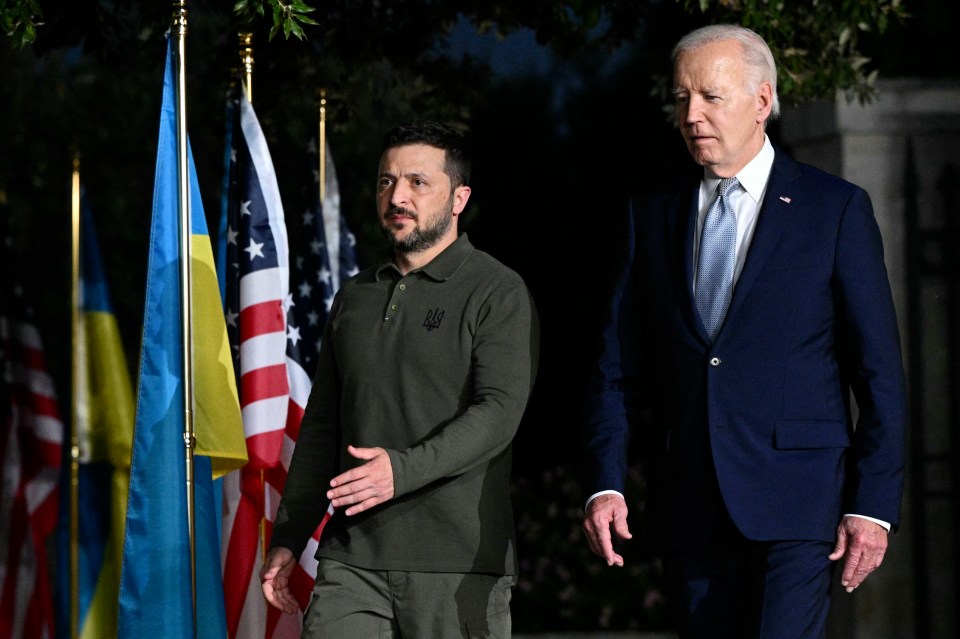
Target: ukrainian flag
{"x":104,"y":431}
{"x":155,"y":594}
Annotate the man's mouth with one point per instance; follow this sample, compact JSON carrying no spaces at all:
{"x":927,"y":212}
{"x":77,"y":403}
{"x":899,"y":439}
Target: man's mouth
{"x":398,"y":213}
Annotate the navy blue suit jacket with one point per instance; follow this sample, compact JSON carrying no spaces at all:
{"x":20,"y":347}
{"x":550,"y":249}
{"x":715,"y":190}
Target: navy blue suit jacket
{"x":761,"y":420}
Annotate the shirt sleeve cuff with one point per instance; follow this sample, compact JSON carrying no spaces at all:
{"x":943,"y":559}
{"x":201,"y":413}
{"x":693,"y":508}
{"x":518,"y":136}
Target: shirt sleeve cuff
{"x":605,"y":492}
{"x":879,"y":522}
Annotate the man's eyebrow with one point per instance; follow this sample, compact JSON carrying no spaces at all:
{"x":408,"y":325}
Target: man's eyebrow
{"x":411,"y":175}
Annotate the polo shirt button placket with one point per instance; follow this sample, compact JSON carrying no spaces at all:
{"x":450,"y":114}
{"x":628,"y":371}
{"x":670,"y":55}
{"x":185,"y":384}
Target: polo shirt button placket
{"x":394,"y":306}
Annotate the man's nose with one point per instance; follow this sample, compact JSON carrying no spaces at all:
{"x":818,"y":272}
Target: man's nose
{"x":692,"y":111}
{"x":399,"y":195}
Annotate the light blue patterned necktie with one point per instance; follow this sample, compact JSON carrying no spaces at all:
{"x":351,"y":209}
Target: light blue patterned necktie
{"x":718,"y":238}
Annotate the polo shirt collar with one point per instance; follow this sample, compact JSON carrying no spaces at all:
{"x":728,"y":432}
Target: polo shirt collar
{"x":443,"y":266}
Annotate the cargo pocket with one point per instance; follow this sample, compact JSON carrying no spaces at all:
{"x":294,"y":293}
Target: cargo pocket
{"x":498,"y":623}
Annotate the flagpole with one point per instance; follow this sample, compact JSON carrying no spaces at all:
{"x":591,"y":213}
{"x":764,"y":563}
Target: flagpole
{"x":74,"y":404}
{"x":246,"y":59}
{"x":322,"y":150}
{"x":186,"y":292}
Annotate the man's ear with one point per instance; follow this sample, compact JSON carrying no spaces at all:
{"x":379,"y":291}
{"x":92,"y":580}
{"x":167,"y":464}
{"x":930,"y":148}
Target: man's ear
{"x":764,"y":101}
{"x":460,"y":196}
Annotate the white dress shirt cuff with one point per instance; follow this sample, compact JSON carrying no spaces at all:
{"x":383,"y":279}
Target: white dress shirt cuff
{"x":880,"y":522}
{"x":605,"y":492}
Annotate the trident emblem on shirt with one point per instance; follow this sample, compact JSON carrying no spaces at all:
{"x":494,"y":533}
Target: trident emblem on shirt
{"x":433,"y":319}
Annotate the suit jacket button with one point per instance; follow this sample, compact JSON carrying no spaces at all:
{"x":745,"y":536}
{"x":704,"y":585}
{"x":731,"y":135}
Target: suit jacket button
{"x":714,"y":361}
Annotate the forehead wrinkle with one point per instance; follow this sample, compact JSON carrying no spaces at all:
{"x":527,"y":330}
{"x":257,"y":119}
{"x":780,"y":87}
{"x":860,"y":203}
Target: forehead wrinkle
{"x":722,"y":70}
{"x":408,"y":168}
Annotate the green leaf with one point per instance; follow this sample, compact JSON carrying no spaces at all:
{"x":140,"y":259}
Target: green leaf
{"x":300,"y":7}
{"x":844,"y":36}
{"x":857,"y":63}
{"x":296,"y":30}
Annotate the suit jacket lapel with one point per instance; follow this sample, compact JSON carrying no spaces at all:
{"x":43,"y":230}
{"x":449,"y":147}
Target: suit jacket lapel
{"x":681,"y":224}
{"x":776,"y":210}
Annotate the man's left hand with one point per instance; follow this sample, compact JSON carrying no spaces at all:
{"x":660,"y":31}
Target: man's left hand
{"x":862,"y":543}
{"x":365,"y":486}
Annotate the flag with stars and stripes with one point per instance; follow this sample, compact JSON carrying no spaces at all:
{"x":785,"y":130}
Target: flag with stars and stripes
{"x":257,"y":279}
{"x":319,"y":268}
{"x":325,"y":256}
{"x":31,"y":437}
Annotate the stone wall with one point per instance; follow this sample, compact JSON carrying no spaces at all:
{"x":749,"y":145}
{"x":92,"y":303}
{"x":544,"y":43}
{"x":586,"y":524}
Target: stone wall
{"x":912,"y":126}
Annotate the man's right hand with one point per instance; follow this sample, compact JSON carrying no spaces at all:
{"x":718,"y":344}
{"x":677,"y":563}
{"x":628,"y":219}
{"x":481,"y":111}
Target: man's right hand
{"x":275,"y":580}
{"x":605,"y":513}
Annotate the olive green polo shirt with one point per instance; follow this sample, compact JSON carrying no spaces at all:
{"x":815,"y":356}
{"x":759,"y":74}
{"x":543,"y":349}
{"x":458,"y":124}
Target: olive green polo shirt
{"x":436,"y":366}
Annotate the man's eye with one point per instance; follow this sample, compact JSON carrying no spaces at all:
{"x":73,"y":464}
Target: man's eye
{"x":419,"y":182}
{"x":384,"y":183}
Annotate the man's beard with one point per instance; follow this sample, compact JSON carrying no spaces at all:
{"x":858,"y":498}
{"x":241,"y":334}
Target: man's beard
{"x":419,"y":239}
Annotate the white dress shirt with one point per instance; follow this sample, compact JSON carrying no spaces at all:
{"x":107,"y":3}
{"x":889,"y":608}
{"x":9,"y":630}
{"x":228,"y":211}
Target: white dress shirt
{"x":745,"y":202}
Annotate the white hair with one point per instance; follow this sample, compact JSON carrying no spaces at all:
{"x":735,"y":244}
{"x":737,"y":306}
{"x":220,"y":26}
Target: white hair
{"x":759,"y":61}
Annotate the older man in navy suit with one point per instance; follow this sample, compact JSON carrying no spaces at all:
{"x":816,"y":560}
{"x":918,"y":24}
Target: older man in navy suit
{"x":751,"y":311}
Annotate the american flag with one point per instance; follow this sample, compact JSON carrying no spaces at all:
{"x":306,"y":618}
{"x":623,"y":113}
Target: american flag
{"x":257,"y":279}
{"x":30,"y":454}
{"x":314,"y":281}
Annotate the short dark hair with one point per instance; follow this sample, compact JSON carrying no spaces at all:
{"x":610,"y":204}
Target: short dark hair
{"x":439,"y":135}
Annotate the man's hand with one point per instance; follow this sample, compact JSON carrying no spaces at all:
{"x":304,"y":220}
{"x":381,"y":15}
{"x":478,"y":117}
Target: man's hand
{"x":365,"y":486}
{"x":275,"y":580}
{"x":863,"y":543}
{"x":603,"y":513}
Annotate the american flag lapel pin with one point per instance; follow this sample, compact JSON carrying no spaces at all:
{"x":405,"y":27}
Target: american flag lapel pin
{"x":785,"y":199}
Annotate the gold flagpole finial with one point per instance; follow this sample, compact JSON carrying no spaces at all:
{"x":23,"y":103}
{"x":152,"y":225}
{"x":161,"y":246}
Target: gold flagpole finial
{"x":246,"y":62}
{"x":179,"y":18}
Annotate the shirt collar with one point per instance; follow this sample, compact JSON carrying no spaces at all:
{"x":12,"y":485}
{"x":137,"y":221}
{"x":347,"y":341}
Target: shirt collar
{"x":753,"y":177}
{"x":443,"y":266}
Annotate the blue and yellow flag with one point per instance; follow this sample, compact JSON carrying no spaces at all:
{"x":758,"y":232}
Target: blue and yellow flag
{"x":155,"y":594}
{"x":104,"y":426}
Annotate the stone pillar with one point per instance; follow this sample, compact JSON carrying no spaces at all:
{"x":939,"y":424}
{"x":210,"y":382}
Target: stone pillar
{"x":868,"y":145}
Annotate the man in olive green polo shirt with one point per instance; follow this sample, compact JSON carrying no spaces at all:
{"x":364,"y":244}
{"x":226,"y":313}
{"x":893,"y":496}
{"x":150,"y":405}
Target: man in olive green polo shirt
{"x":426,"y":365}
